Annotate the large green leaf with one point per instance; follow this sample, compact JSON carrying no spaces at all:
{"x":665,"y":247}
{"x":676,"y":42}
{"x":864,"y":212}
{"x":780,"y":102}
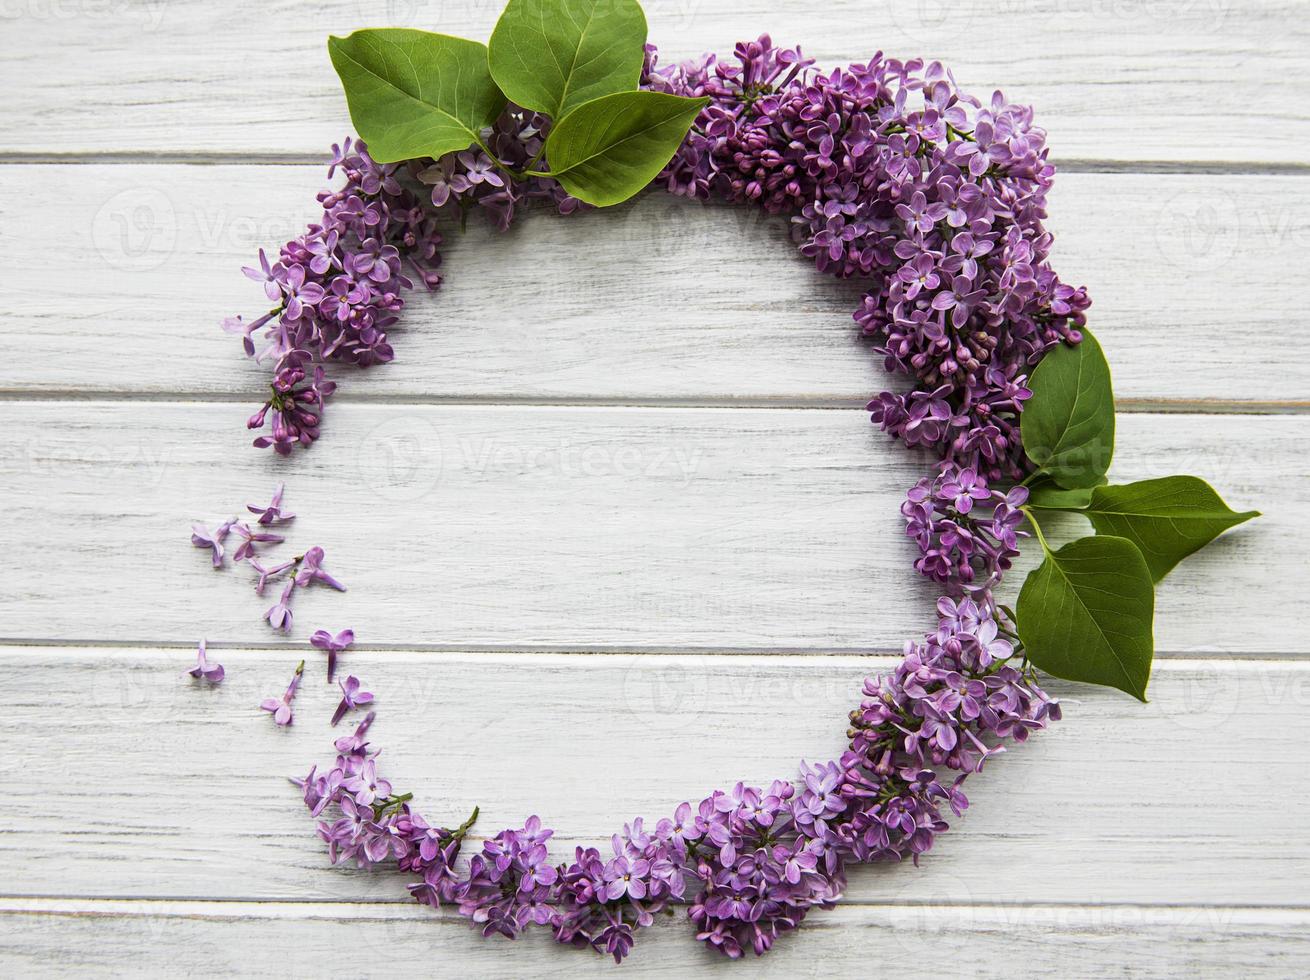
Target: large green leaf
{"x":1050,"y":496}
{"x":553,"y":55}
{"x":1085,"y":614}
{"x":1068,"y":424}
{"x":1168,"y":519}
{"x":415,"y":94}
{"x":608,"y":149}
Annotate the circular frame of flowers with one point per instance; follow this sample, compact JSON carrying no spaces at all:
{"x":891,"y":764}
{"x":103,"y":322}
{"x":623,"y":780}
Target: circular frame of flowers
{"x":890,"y":173}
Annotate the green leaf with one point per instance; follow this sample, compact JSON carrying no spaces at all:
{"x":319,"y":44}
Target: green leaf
{"x":608,"y":149}
{"x":1050,"y":496}
{"x":415,"y":94}
{"x":553,"y":55}
{"x":1085,"y":614}
{"x":1168,"y":519}
{"x":1068,"y":424}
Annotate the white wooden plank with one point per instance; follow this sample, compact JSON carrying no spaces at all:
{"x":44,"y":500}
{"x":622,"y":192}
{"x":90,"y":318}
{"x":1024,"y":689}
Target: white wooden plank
{"x":570,"y":527}
{"x":126,"y":781}
{"x":662,"y":299}
{"x":1172,"y":80}
{"x":61,"y":939}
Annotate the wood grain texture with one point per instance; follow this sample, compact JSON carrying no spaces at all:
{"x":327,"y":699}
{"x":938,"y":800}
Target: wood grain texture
{"x":231,"y":939}
{"x":748,"y":557}
{"x":663,"y":299}
{"x":539,"y":527}
{"x":168,"y":791}
{"x":1174,"y":80}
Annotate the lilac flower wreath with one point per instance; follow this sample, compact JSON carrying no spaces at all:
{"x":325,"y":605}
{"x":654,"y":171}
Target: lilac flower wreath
{"x":935,"y":201}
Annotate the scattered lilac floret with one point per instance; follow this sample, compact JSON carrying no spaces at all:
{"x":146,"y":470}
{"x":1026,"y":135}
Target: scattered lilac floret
{"x":249,"y":539}
{"x":279,"y":615}
{"x":236,"y":324}
{"x":273,"y":513}
{"x":202,"y":537}
{"x":204,"y":670}
{"x":351,"y":697}
{"x":268,"y":574}
{"x":281,"y":707}
{"x":312,"y":570}
{"x":332,"y":645}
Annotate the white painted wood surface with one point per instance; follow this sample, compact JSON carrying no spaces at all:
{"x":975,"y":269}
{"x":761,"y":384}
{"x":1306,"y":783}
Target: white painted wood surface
{"x":608,"y":543}
{"x":578,"y":527}
{"x":1113,"y":80}
{"x":219,"y":939}
{"x":662,"y":299}
{"x":1082,"y":816}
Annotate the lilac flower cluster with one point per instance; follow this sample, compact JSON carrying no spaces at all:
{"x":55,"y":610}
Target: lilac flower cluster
{"x":749,"y":864}
{"x":950,"y":695}
{"x":890,"y":174}
{"x":363,"y":823}
{"x":935,"y":199}
{"x":968,"y":534}
{"x":336,"y":290}
{"x":340,"y":286}
{"x":889,"y":171}
{"x":461,"y":182}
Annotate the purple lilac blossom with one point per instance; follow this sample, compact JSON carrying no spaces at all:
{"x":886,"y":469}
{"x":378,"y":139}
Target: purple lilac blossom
{"x":279,"y":614}
{"x":250,"y":539}
{"x":202,"y":537}
{"x":267,"y":574}
{"x":967,"y":534}
{"x":280,"y":708}
{"x":351,"y":697}
{"x":204,"y":669}
{"x":311,"y":570}
{"x":935,"y":201}
{"x":748,"y":864}
{"x":273,"y":513}
{"x":338,"y":288}
{"x":332,"y":645}
{"x":889,"y":172}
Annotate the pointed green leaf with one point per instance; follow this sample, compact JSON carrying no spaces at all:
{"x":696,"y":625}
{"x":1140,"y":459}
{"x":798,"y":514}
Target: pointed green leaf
{"x":415,"y":94}
{"x":1168,"y":519}
{"x":553,"y":55}
{"x":608,"y":149}
{"x":1085,"y":614}
{"x":1068,"y":424}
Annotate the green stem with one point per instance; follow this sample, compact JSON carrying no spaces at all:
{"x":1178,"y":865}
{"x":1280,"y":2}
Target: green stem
{"x":462,"y":831}
{"x":498,"y":163}
{"x":1027,"y":512}
{"x":536,"y":159}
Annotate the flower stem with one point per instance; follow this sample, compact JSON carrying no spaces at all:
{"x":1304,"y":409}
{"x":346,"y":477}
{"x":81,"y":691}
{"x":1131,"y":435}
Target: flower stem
{"x":1027,"y":512}
{"x":498,"y":163}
